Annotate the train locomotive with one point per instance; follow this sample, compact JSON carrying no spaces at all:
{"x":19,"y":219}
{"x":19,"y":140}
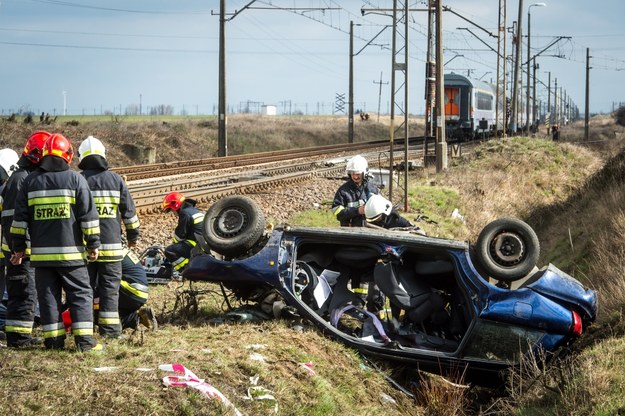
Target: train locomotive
{"x":470,"y":110}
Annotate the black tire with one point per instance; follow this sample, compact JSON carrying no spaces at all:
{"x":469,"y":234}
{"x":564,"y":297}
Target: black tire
{"x":233,"y":225}
{"x":507,"y":249}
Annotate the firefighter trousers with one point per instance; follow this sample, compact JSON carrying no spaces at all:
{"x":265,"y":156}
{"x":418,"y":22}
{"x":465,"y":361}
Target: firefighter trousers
{"x":22,"y":300}
{"x":2,"y":276}
{"x":128,"y":308}
{"x":51,"y":282}
{"x":178,"y":254}
{"x":105,"y":280}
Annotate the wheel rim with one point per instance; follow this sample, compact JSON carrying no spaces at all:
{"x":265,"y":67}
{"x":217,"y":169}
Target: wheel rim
{"x":507,"y":249}
{"x":231,"y":222}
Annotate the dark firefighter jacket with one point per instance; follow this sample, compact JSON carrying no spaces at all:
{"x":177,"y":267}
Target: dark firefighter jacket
{"x":56,"y":207}
{"x":2,"y":186}
{"x":347,"y":200}
{"x":189,"y":225}
{"x":114,"y":205}
{"x":8,"y":197}
{"x":134,"y":282}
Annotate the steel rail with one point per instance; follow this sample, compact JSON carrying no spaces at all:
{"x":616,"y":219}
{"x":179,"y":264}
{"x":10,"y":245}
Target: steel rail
{"x":146,"y":171}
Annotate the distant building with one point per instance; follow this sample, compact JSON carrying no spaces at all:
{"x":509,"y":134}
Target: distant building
{"x":268,"y":110}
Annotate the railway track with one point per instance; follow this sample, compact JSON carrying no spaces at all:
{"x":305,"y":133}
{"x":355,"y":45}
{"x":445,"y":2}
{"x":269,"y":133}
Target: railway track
{"x":138,"y":172}
{"x":207,"y":180}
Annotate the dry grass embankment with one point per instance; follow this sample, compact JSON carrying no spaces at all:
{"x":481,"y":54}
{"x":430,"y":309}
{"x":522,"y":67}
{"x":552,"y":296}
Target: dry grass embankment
{"x":183,"y":138}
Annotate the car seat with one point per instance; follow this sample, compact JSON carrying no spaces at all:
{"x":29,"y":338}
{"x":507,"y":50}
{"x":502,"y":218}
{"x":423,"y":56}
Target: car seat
{"x":405,"y":291}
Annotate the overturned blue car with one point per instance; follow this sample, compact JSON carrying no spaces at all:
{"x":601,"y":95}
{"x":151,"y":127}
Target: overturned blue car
{"x":441,"y":306}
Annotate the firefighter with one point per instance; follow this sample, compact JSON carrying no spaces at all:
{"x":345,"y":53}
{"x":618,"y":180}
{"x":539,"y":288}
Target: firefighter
{"x":22,"y":295}
{"x":115,"y":206}
{"x":350,"y":198}
{"x":8,"y":160}
{"x":349,"y":201}
{"x":189,"y":227}
{"x":56,"y":209}
{"x":349,"y":208}
{"x":133,"y":294}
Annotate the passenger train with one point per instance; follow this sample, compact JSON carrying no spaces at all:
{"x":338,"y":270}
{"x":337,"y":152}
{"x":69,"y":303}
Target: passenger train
{"x":470,"y":109}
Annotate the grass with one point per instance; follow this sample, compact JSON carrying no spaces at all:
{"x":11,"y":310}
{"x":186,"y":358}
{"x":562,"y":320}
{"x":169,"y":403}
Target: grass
{"x":316,"y":218}
{"x":233,"y":358}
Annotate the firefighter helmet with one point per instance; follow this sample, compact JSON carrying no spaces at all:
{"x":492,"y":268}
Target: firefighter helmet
{"x":357,"y":164}
{"x":173,"y":201}
{"x":377,"y":206}
{"x":91,"y":146}
{"x":33,"y":150}
{"x":58,"y":145}
{"x":8,"y":160}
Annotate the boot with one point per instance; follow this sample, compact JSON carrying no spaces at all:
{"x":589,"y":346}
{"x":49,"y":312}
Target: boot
{"x":147,"y":318}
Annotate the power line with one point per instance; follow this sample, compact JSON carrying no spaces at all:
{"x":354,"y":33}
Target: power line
{"x":112,"y":9}
{"x":130,"y":35}
{"x":116,"y":48}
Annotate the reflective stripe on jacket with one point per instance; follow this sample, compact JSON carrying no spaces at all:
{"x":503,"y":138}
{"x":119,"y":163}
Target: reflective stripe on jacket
{"x":57,"y":210}
{"x":348,"y":198}
{"x":115,"y":206}
{"x":190,"y":221}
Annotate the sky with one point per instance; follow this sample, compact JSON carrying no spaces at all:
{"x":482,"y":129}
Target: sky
{"x":91,"y":57}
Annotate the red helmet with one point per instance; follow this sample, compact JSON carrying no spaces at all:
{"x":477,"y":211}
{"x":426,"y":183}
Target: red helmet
{"x":173,"y":200}
{"x":33,"y":150}
{"x":58,"y":145}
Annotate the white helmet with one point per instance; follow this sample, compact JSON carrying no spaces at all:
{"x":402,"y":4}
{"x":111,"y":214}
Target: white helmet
{"x":357,"y":164}
{"x":91,"y":146}
{"x":376,"y":206}
{"x":8,"y":160}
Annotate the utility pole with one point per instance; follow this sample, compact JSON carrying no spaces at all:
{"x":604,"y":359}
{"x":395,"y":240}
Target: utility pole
{"x":222,"y":135}
{"x":350,"y":116}
{"x":380,"y":83}
{"x":350,"y":128}
{"x":430,"y":76}
{"x":392,"y":122}
{"x":441,"y":144}
{"x":534,"y":118}
{"x":501,"y":70}
{"x":562,"y":107}
{"x":222,"y":140}
{"x":555,"y":102}
{"x":529,"y":61}
{"x":517,"y":62}
{"x":548,"y":118}
{"x":587,"y":104}
{"x":406,"y":96}
{"x":402,"y":68}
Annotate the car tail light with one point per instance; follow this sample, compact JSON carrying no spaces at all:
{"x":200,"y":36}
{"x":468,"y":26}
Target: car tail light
{"x":577,"y":324}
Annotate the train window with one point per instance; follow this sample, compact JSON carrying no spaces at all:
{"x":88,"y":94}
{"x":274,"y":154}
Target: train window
{"x":484,"y":101}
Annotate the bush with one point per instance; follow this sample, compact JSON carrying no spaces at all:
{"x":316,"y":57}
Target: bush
{"x":619,"y":116}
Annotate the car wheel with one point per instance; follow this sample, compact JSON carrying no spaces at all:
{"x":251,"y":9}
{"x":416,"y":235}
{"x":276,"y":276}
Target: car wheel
{"x":233,"y":225}
{"x":507,"y":249}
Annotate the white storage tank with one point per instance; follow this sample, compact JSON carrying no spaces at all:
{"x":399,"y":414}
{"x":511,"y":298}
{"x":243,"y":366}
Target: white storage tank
{"x":268,"y":110}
